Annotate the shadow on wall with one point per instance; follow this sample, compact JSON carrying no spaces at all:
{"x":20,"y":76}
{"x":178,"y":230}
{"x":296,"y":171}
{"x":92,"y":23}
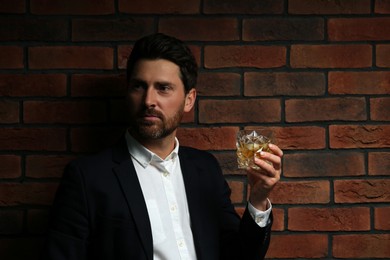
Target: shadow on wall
{"x":93,"y":118}
{"x":105,"y":112}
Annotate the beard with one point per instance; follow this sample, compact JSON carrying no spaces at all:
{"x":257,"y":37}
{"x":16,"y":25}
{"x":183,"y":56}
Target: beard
{"x":152,"y":130}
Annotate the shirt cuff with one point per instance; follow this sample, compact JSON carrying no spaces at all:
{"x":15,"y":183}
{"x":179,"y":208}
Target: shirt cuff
{"x":259,"y":216}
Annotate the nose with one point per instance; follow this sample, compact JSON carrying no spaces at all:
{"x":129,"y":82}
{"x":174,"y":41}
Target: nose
{"x":150,"y":97}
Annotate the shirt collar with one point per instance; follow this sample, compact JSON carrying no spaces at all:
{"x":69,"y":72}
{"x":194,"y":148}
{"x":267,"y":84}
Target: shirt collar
{"x":143,"y":155}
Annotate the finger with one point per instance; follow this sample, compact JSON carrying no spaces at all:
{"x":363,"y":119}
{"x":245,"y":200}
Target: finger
{"x":259,"y":175}
{"x":256,"y":175}
{"x":265,"y":168}
{"x":273,"y":159}
{"x":276,"y":150}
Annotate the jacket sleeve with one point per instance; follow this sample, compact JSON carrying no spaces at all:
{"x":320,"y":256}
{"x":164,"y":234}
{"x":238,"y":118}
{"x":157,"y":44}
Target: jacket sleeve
{"x":254,"y":238}
{"x":68,"y":228}
{"x":240,"y":238}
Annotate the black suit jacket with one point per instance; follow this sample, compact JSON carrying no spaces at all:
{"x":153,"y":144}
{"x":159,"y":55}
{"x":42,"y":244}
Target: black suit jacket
{"x":99,"y":211}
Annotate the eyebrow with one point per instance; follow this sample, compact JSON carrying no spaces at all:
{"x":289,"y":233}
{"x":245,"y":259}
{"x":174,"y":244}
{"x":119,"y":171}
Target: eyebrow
{"x":139,"y":81}
{"x":135,"y":80}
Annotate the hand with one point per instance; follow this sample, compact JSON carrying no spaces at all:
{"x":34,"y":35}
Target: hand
{"x":264,"y":179}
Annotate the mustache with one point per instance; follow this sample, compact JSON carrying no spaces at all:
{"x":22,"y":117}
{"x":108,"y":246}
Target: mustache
{"x":151,"y":112}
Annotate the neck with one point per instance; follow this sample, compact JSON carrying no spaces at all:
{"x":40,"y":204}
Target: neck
{"x":161,"y":146}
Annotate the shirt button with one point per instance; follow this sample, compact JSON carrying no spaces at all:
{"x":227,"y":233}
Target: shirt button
{"x":173,"y":207}
{"x":259,"y":219}
{"x":166,"y":174}
{"x":180,"y":243}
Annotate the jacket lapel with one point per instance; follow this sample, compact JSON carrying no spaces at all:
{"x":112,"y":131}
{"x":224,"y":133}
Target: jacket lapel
{"x":131,"y":188}
{"x":192,"y":181}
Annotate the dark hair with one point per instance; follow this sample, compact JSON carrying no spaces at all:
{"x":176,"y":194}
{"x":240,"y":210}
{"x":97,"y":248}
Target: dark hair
{"x":161,"y":46}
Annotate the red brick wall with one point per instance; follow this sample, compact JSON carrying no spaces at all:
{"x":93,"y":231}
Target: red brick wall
{"x":315,"y":71}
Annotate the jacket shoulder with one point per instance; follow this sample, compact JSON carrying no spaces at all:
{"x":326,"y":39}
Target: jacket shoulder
{"x":93,"y":159}
{"x":197,"y":155}
{"x":92,"y":166}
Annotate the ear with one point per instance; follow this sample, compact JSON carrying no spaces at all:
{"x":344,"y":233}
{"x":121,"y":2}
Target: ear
{"x":190,"y":100}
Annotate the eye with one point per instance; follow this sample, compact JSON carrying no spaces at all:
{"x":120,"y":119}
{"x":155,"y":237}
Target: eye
{"x":135,"y":85}
{"x":164,"y":88}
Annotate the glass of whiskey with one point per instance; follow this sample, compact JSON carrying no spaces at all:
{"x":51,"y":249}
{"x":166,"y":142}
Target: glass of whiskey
{"x":249,"y":143}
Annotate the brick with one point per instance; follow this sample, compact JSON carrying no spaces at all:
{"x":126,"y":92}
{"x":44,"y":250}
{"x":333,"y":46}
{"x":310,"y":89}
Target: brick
{"x":329,"y":219}
{"x":380,"y":109}
{"x":361,"y":246}
{"x":239,"y":111}
{"x":98,"y":85}
{"x":9,"y":112}
{"x":11,"y":222}
{"x":283,"y":29}
{"x":305,"y":192}
{"x":10,"y":166}
{"x":201,"y":29}
{"x":379,"y":163}
{"x":65,"y":112}
{"x":93,"y":139}
{"x":46,"y":166}
{"x":359,"y":136}
{"x":111,"y":29}
{"x":75,"y":7}
{"x":325,"y":109}
{"x":118,"y":111}
{"x":124,"y":52}
{"x":323,"y":164}
{"x":382,"y":220}
{"x":11,"y":57}
{"x":382,"y":6}
{"x":362,"y":191}
{"x":359,"y":29}
{"x":329,"y":7}
{"x":282,"y":83}
{"x":15,"y":248}
{"x":358,"y":83}
{"x":237,"y":188}
{"x":331,"y":56}
{"x":33,"y":139}
{"x":70,"y":57}
{"x":37,"y":221}
{"x":298,"y":246}
{"x":15,"y":6}
{"x":218,"y":84}
{"x":14,"y":194}
{"x":189,"y":117}
{"x":383,"y":55}
{"x":14,"y":85}
{"x":197,"y":52}
{"x":299,"y":137}
{"x":245,"y":7}
{"x":244,"y":56}
{"x":210,"y":138}
{"x":33,"y":29}
{"x":159,"y":7}
{"x":278,"y":224}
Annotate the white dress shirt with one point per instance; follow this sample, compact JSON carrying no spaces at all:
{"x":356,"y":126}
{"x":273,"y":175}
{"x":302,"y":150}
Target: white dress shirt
{"x":165,"y":197}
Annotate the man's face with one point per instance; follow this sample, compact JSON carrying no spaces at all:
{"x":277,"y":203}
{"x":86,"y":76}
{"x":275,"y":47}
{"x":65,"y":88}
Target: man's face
{"x":157,"y":99}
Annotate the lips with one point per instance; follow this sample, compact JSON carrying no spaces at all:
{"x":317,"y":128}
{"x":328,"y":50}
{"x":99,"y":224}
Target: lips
{"x":151,"y":115}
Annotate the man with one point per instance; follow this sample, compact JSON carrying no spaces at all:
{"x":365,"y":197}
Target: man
{"x":148,"y":197}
